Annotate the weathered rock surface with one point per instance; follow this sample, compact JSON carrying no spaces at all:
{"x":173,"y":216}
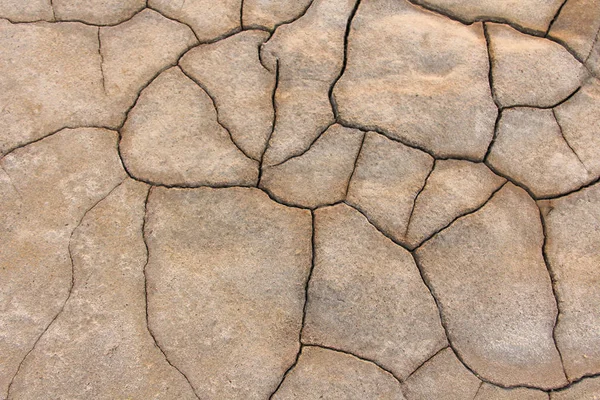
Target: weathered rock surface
{"x":573,"y":249}
{"x":172,"y":137}
{"x":454,"y":188}
{"x":209,"y":19}
{"x":577,"y":26}
{"x":531,"y":71}
{"x":489,"y":275}
{"x":322,"y":373}
{"x":588,"y":389}
{"x":226,"y":279}
{"x":531,"y":149}
{"x":101,"y":335}
{"x":231,"y":72}
{"x":270,"y":13}
{"x":135,"y":51}
{"x":385,"y":184}
{"x":366,"y":296}
{"x":45,"y":190}
{"x":442,"y":377}
{"x":97,"y":12}
{"x":309,"y":54}
{"x":580,"y":123}
{"x":419,"y":76}
{"x":321,"y":175}
{"x":491,"y":392}
{"x":25,"y":11}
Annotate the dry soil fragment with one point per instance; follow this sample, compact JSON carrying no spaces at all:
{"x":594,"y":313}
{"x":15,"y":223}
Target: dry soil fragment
{"x":454,"y":188}
{"x":577,"y":25}
{"x":231,"y":71}
{"x":47,"y":188}
{"x":531,"y":71}
{"x":388,"y":177}
{"x":269,"y":13}
{"x":226,"y":280}
{"x":321,"y":175}
{"x":97,"y":12}
{"x":135,"y":51}
{"x":172,"y":137}
{"x":24,"y":11}
{"x":442,"y":377}
{"x":310,"y":53}
{"x":489,"y":275}
{"x":366,"y":295}
{"x":534,"y":15}
{"x":326,"y":374}
{"x":50,"y":78}
{"x":491,"y":392}
{"x":588,"y":389}
{"x":209,"y":19}
{"x":580,"y":122}
{"x":531,"y":149}
{"x":419,"y":76}
{"x":573,"y":248}
{"x":101,"y":336}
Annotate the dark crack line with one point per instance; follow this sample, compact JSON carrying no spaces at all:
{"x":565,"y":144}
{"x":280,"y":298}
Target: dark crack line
{"x":303,"y":152}
{"x":71,"y":287}
{"x":214,"y":102}
{"x":360,"y":148}
{"x":553,"y":284}
{"x":148,"y":6}
{"x":103,"y":79}
{"x":587,"y":58}
{"x":566,"y":141}
{"x":332,"y":101}
{"x":573,"y":382}
{"x":494,"y":137}
{"x":348,"y":353}
{"x":488,"y":42}
{"x":52,"y":9}
{"x":431,"y":357}
{"x":414,"y":204}
{"x":512,"y":180}
{"x":555,"y":18}
{"x":144,"y":222}
{"x":560,"y":102}
{"x":74,"y":20}
{"x":241,"y":14}
{"x":478,"y":390}
{"x":304,"y":307}
{"x":274,"y":123}
{"x":583,"y":187}
{"x":282,"y":23}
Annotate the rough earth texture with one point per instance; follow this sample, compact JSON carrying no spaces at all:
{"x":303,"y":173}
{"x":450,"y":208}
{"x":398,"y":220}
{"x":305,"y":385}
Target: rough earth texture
{"x":312,"y":199}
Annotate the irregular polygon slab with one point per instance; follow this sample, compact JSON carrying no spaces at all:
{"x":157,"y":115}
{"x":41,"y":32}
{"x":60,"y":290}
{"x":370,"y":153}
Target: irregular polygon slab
{"x":51,"y":78}
{"x":442,"y":377}
{"x":172,"y":137}
{"x":580,"y":122}
{"x":26,"y":11}
{"x":573,"y":249}
{"x":489,"y":276}
{"x":309,"y":53}
{"x":454,"y":188}
{"x":366,"y":295}
{"x":387,"y":179}
{"x":208,"y":18}
{"x":97,"y":12}
{"x":326,"y":374}
{"x":534,"y":15}
{"x":491,"y":392}
{"x":46,"y":189}
{"x":231,"y":72}
{"x":321,"y":175}
{"x":135,"y":51}
{"x":270,"y":13}
{"x":587,"y":389}
{"x":226,"y":280}
{"x":531,"y":149}
{"x":101,"y":335}
{"x":419,"y":76}
{"x":531,"y":71}
{"x":577,"y":26}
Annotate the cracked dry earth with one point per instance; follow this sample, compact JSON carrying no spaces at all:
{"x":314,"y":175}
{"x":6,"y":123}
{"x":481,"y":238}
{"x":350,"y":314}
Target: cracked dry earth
{"x":327,"y":199}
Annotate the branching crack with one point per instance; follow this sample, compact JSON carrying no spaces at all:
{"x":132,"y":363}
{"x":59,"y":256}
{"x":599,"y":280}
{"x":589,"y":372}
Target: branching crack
{"x":144,"y":222}
{"x":71,"y":286}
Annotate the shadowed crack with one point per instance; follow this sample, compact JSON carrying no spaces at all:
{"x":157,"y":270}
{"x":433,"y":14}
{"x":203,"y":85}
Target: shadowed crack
{"x":101,"y":62}
{"x":414,"y":204}
{"x":569,"y":96}
{"x":71,"y":286}
{"x":555,"y":18}
{"x":566,"y":141}
{"x":587,"y":58}
{"x":274,"y":103}
{"x":286,"y":22}
{"x":145,"y":220}
{"x":478,"y":390}
{"x":426,"y":362}
{"x":362,"y":144}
